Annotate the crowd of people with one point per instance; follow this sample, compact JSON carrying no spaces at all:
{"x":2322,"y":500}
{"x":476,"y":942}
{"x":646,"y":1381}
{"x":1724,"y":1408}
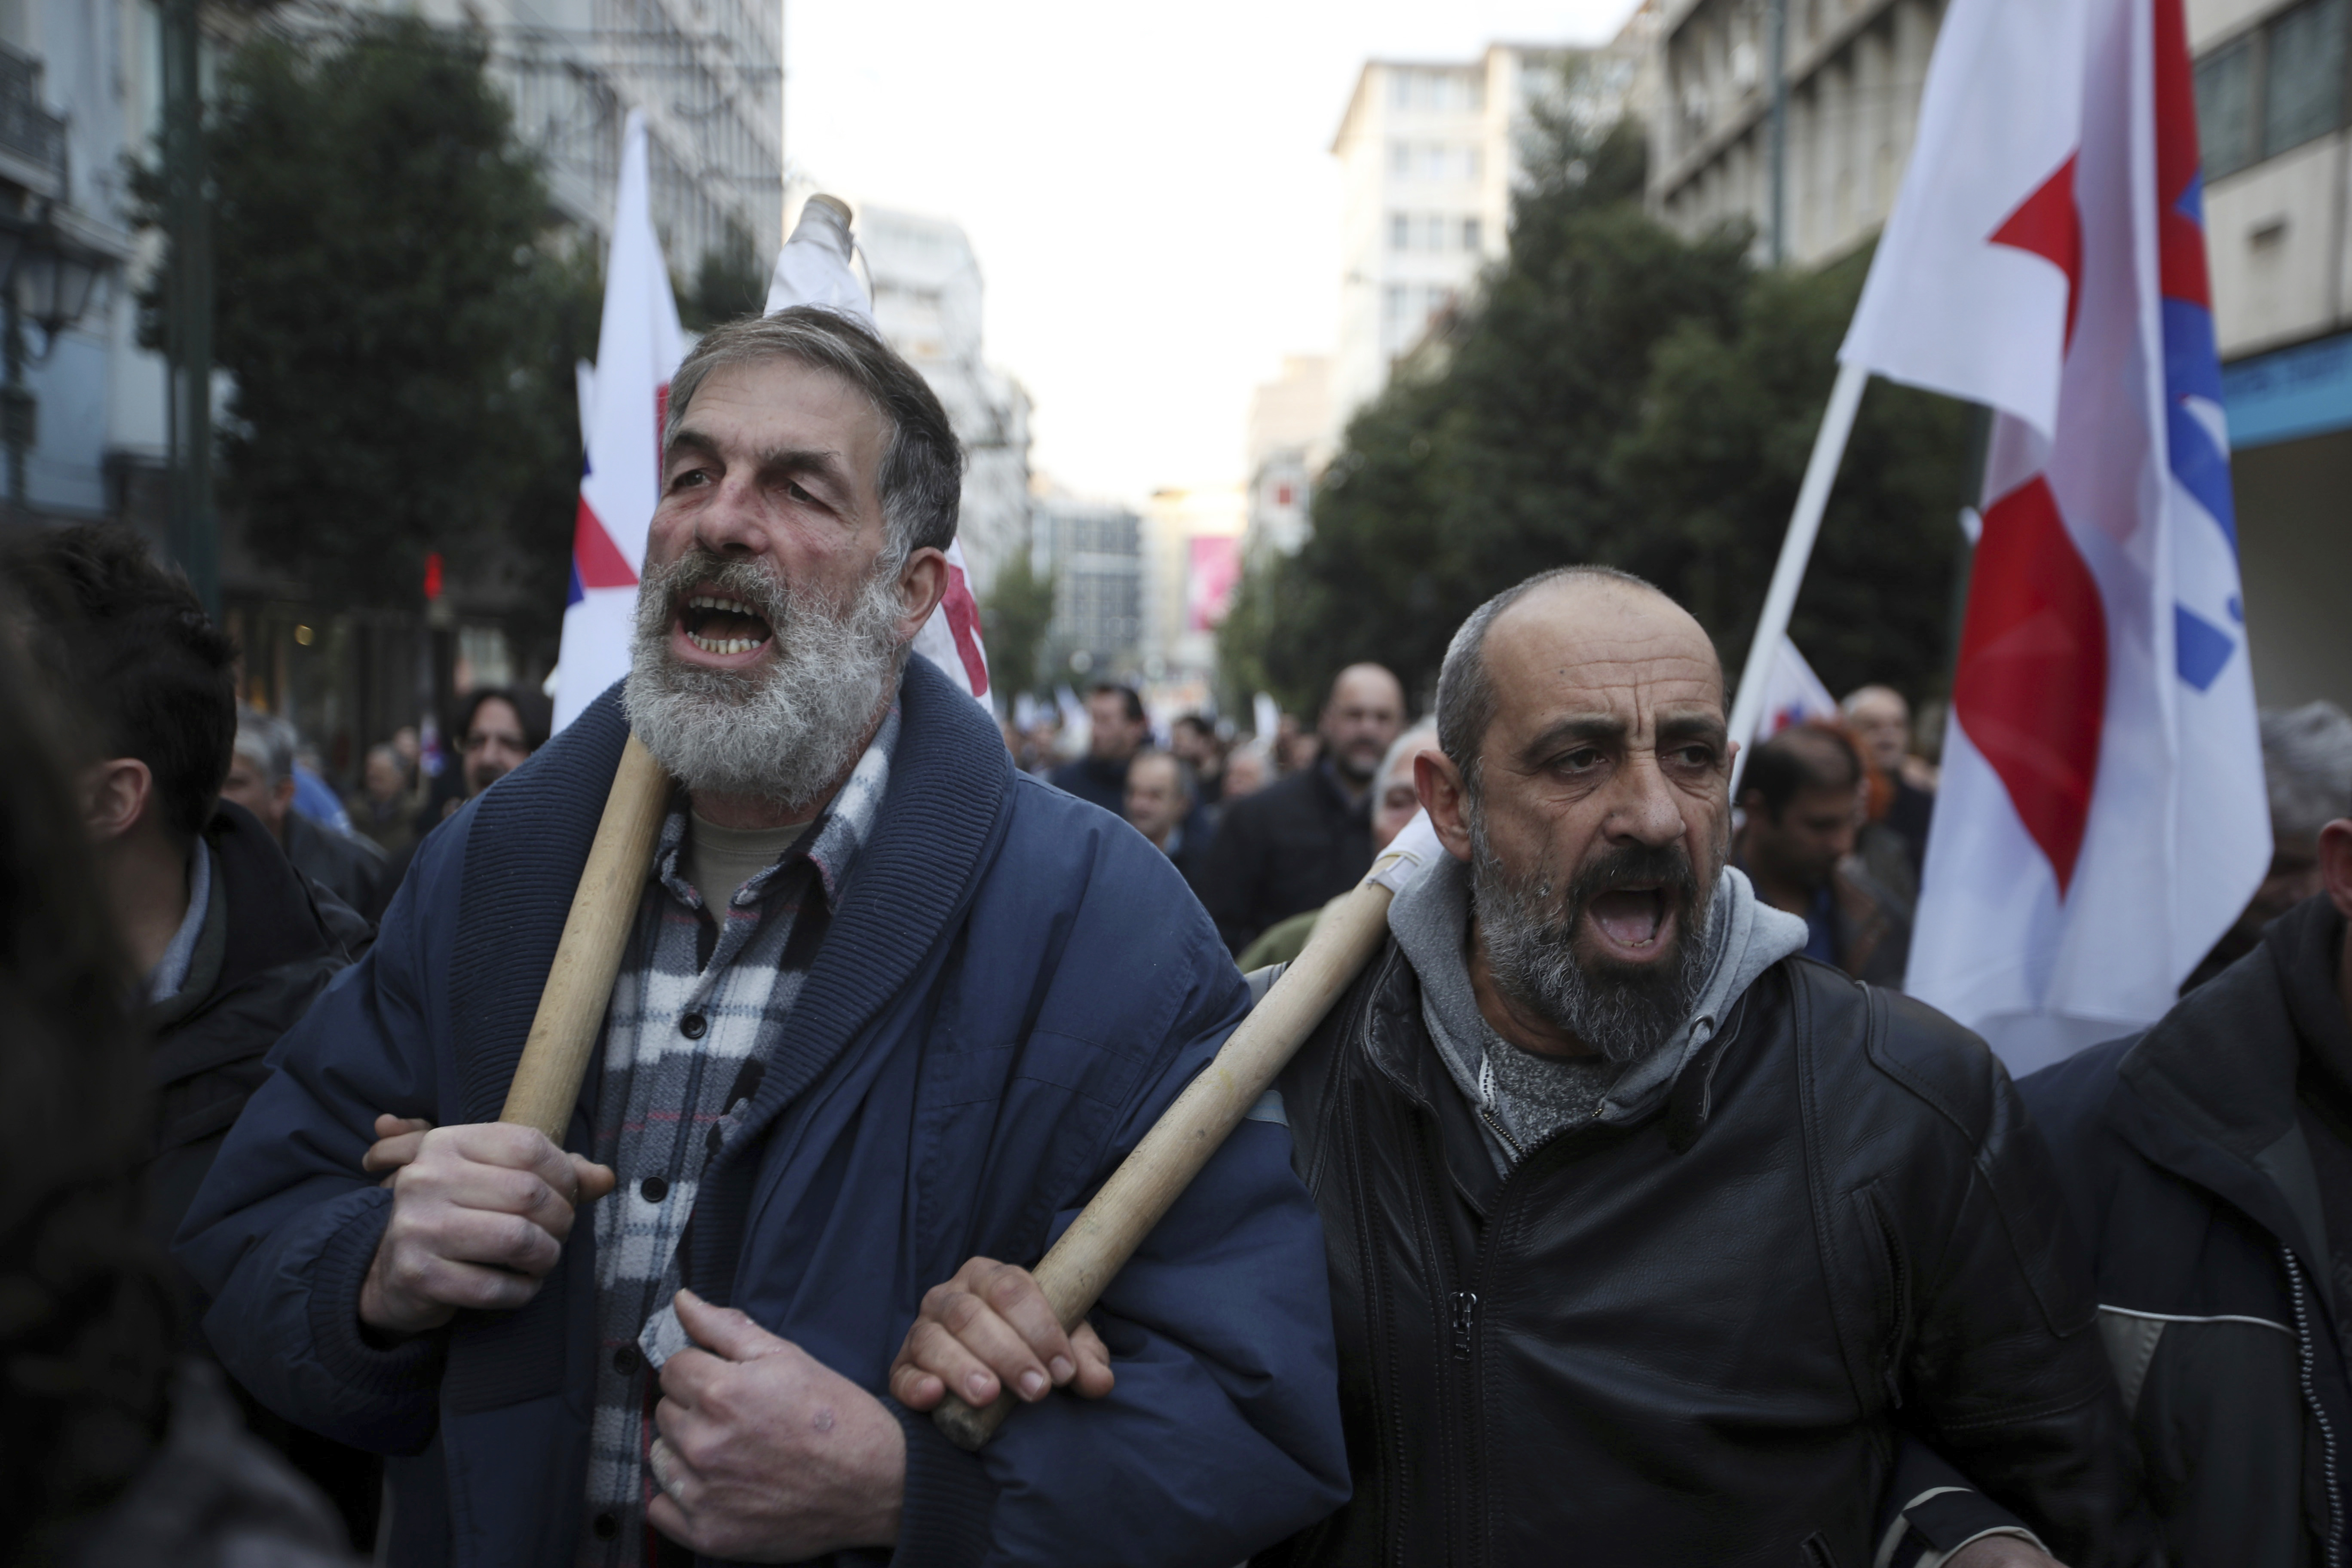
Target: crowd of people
{"x":1621,"y":1209}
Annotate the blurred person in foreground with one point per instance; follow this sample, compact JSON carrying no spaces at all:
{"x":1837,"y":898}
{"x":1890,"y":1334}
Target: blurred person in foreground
{"x":1160,"y":805}
{"x":2209,"y":1162}
{"x":1801,"y":796}
{"x":2307,"y":775}
{"x":226,"y":944}
{"x":1652,"y":1241}
{"x":1879,"y":720}
{"x":1117,"y":730}
{"x":884,"y":1003}
{"x":1394,"y":802}
{"x":1302,"y":841}
{"x":114,"y":1452}
{"x":262,"y":780}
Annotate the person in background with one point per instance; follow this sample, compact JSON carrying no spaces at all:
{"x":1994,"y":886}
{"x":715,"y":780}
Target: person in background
{"x":384,"y":807}
{"x":118,"y":1452}
{"x":1295,"y":747}
{"x":498,"y":729}
{"x":1249,"y":768}
{"x":261,"y":779}
{"x":2307,"y":772}
{"x":1303,"y":840}
{"x":2208,"y":1162}
{"x":1394,"y":802}
{"x":1117,"y":728}
{"x":226,"y":947}
{"x":314,"y":797}
{"x":1161,"y":806}
{"x":1802,"y":795}
{"x":1194,"y":741}
{"x":1880,"y":722}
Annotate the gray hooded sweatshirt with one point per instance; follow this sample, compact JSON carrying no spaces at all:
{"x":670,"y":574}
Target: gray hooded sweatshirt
{"x":1524,"y":1099}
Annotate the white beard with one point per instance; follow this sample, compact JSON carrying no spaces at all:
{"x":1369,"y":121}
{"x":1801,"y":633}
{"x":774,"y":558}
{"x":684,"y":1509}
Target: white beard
{"x":784,"y":729}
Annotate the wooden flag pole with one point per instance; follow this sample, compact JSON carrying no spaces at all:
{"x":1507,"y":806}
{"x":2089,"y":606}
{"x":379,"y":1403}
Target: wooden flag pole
{"x":563,"y":1037}
{"x":1105,"y":1234}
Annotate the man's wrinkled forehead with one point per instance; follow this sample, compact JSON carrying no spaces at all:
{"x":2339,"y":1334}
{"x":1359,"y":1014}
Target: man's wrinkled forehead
{"x":1601,"y":647}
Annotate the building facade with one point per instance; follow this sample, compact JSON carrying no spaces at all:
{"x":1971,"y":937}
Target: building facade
{"x":1094,"y":552}
{"x":1288,"y":441}
{"x":2275,"y":113}
{"x":927,"y":297}
{"x":1191,"y":554}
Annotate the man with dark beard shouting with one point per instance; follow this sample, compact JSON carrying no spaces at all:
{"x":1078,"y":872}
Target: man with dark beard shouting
{"x":1651,"y":1240}
{"x":887,"y":1005}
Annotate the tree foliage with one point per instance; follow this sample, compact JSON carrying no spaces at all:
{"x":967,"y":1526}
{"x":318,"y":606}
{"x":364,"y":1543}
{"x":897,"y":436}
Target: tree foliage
{"x":728,"y":283}
{"x":1020,"y":607}
{"x":1623,"y":397}
{"x":399,"y":315}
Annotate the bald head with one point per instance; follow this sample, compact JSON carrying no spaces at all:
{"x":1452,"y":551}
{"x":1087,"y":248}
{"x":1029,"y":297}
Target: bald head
{"x":1881,"y":721}
{"x":1605,"y":622}
{"x":1361,"y":718}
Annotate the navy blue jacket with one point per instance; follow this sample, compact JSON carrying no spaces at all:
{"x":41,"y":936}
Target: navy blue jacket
{"x":1014,"y":986}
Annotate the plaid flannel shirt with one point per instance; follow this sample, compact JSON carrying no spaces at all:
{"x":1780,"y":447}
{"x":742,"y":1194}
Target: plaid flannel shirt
{"x":696,"y":1013}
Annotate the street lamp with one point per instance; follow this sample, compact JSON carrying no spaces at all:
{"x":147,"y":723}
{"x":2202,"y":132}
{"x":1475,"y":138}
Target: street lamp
{"x":47,"y":276}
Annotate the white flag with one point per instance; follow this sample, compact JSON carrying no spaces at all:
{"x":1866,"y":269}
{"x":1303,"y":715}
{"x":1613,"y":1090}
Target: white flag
{"x":2102,"y":818}
{"x":638,"y":345}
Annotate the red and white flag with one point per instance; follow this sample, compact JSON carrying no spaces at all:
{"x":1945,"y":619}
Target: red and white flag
{"x":638,"y":345}
{"x":814,"y":269}
{"x":2102,"y":819}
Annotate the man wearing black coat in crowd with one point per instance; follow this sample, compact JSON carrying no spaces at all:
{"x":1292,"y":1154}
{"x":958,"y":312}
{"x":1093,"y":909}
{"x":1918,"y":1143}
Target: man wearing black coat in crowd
{"x":2209,"y":1162}
{"x":228,"y":944}
{"x":1301,"y":842}
{"x":1117,"y":728}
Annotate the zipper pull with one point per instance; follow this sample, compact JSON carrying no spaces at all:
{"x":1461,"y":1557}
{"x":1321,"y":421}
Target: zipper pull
{"x":1465,"y":1317}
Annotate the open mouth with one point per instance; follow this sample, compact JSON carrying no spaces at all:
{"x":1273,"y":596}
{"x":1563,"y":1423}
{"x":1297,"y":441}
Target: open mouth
{"x":721,"y":624}
{"x":1632,"y":919}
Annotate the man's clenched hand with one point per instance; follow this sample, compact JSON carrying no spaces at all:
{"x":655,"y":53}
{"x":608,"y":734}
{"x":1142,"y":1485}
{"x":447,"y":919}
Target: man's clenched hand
{"x":478,"y":1217}
{"x":766,"y":1454}
{"x":990,"y":1327}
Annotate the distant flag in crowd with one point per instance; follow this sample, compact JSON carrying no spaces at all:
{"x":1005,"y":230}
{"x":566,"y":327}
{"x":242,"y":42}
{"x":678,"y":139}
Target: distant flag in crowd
{"x":1793,"y":694}
{"x":2102,"y":818}
{"x":815,"y":267}
{"x":638,"y":344}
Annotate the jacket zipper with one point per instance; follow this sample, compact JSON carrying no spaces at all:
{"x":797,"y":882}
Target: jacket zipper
{"x":2311,"y":1397}
{"x":1465,"y":1319}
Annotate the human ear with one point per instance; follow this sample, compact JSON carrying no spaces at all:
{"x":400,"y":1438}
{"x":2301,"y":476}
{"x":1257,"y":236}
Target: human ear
{"x":922,"y":583}
{"x":115,"y":794}
{"x":1438,"y":782}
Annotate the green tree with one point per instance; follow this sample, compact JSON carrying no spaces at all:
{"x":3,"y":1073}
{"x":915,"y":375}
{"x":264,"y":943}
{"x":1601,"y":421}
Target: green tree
{"x":391,"y":293}
{"x":728,"y":283}
{"x":1618,"y":395}
{"x":1012,"y":621}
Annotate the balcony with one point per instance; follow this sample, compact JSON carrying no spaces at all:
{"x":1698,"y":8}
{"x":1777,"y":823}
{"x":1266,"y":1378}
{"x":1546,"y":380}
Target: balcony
{"x":32,"y":140}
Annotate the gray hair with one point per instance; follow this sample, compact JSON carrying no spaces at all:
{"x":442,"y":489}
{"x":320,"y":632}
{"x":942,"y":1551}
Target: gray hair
{"x":2307,"y":764}
{"x":1188,"y":779}
{"x":1417,"y":735}
{"x":1465,"y":695}
{"x":267,"y":743}
{"x":921,"y":481}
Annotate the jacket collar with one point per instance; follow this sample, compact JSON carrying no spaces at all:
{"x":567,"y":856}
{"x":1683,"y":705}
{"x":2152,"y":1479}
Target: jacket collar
{"x":2208,"y":1092}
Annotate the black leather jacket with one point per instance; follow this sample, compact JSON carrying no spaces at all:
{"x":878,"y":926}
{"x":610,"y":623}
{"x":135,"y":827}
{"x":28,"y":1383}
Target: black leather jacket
{"x":1697,"y":1338}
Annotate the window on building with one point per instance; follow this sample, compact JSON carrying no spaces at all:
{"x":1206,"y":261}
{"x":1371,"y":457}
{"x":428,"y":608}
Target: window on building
{"x":1474,"y":163}
{"x":1401,"y":160}
{"x":1400,"y":232}
{"x":2272,"y":87}
{"x":1401,"y":89}
{"x":1392,"y":303}
{"x":2305,"y":95}
{"x":1470,"y":233}
{"x":1433,"y":232}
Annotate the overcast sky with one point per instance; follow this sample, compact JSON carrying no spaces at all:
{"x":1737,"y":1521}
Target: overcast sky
{"x":1150,"y":188}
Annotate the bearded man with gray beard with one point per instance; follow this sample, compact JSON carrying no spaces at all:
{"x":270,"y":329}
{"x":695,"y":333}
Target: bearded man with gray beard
{"x":1650,"y":1240}
{"x":888,"y":1011}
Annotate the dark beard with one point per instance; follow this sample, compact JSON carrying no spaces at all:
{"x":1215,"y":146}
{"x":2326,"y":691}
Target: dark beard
{"x":1623,"y":1010}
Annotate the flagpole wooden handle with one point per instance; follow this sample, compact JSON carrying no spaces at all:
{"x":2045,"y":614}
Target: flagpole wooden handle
{"x":563,"y":1038}
{"x":1105,"y":1234}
